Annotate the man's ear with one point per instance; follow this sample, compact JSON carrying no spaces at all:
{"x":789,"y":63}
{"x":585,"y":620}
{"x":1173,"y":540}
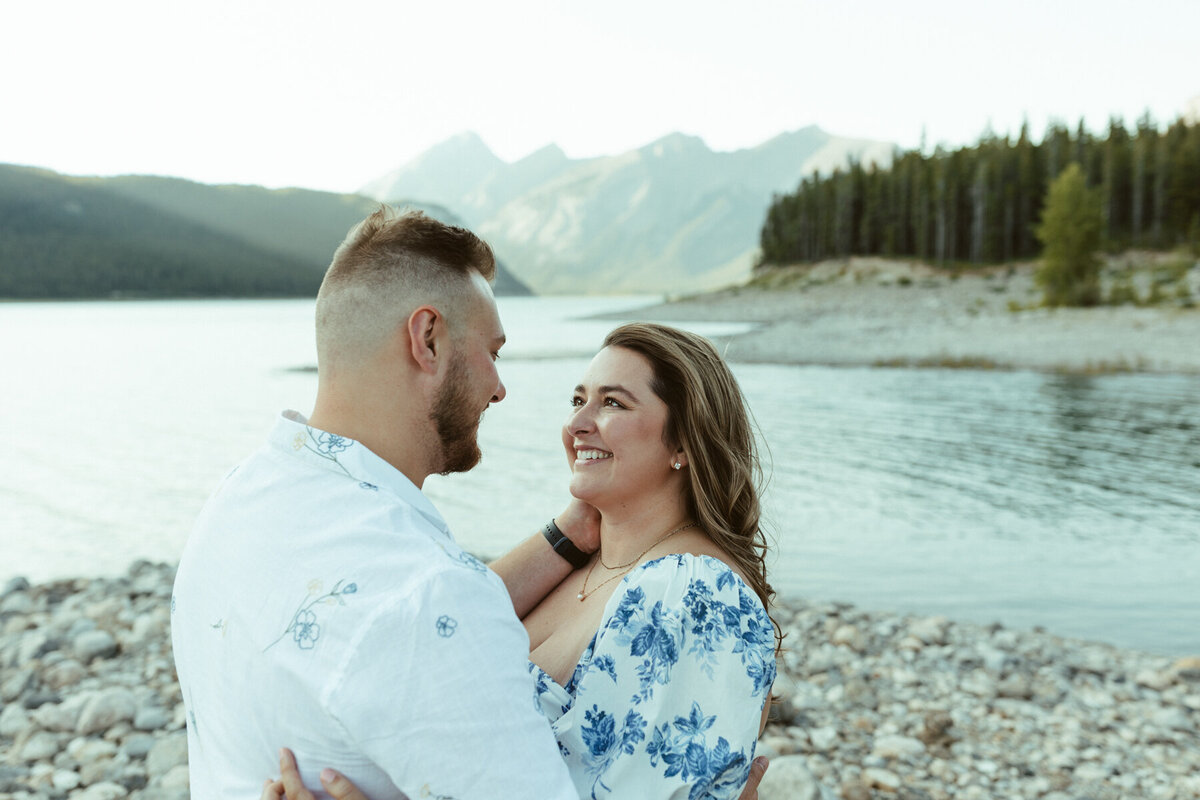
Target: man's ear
{"x":426,"y":333}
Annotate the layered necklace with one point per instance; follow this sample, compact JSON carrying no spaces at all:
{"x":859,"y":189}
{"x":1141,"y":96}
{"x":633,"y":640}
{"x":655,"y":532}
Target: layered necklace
{"x":584,"y":594}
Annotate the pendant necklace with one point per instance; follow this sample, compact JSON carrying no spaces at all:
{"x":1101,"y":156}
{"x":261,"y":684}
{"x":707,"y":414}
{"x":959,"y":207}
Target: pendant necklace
{"x":626,"y":567}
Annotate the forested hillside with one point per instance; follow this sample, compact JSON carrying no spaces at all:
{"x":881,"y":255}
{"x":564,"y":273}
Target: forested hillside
{"x":980,"y":204}
{"x":147,"y":236}
{"x":65,"y":238}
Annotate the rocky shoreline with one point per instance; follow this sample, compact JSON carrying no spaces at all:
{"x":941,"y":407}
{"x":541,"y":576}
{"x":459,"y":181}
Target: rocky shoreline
{"x":876,"y":312}
{"x":872,"y":705}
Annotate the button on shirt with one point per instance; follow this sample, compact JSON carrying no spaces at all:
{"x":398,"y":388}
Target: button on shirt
{"x":321,"y":603}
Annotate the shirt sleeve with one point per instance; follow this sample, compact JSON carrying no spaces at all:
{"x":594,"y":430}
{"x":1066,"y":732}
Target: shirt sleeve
{"x":436,"y":693}
{"x":672,"y":698}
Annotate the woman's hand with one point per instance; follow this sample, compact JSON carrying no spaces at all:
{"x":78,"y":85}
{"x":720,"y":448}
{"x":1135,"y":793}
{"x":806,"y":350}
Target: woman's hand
{"x":291,"y":787}
{"x":580,"y":523}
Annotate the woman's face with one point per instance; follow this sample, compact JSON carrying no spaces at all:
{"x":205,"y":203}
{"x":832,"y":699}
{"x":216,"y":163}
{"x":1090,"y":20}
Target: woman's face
{"x":614,"y":433}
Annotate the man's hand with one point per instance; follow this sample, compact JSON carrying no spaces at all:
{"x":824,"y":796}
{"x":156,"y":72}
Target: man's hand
{"x":291,"y":787}
{"x":758,"y":768}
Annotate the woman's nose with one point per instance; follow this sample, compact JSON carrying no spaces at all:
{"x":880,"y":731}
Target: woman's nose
{"x":581,"y":420}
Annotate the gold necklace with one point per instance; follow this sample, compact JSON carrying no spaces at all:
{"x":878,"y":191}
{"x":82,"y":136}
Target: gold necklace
{"x":584,"y":593}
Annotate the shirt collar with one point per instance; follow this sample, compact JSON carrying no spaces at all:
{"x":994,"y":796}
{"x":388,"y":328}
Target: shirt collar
{"x":350,"y":458}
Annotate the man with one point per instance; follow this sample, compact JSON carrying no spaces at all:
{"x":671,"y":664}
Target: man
{"x":321,"y":601}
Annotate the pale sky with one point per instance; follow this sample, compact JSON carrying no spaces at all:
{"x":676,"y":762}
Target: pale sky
{"x":329,"y":95}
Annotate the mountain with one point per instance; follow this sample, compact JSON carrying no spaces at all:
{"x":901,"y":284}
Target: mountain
{"x":150,"y":236}
{"x":670,"y":216}
{"x":69,"y":238}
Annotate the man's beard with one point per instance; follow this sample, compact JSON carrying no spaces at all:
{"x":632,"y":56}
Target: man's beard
{"x":457,"y":425}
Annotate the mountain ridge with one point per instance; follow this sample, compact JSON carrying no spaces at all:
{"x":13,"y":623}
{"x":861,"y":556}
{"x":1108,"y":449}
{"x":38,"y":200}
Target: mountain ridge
{"x":670,"y":215}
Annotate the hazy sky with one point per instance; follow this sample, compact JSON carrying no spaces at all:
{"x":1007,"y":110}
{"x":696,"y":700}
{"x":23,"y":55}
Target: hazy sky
{"x":329,"y":95}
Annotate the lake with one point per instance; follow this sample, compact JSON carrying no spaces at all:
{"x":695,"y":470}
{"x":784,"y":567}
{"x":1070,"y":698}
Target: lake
{"x":1031,"y":499}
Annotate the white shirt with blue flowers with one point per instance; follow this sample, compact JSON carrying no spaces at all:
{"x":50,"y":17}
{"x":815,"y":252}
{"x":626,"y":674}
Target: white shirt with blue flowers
{"x":666,"y":700}
{"x":321,"y":603}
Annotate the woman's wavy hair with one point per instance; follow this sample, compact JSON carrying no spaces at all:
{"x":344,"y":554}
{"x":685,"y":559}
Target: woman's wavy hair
{"x":707,"y":417}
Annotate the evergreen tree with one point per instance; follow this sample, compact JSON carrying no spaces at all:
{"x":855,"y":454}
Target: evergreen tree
{"x":1072,"y":221}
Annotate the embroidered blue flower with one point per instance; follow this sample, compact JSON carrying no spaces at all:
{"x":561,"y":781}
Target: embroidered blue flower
{"x":446,"y":625}
{"x":467,"y":560}
{"x":306,"y":630}
{"x":331,"y":444}
{"x":304,"y":627}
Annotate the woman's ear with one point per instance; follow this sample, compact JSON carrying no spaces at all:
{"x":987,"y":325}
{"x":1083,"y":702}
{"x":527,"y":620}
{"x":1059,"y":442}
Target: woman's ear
{"x":680,"y":459}
{"x":426,"y":330}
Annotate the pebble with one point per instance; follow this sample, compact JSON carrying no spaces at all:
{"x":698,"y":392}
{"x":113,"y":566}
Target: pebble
{"x":94,"y":644}
{"x":106,"y":709}
{"x":873,"y":705}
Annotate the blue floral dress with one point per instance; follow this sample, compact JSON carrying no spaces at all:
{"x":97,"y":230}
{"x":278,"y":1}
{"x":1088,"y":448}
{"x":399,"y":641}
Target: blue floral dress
{"x":667,"y":698}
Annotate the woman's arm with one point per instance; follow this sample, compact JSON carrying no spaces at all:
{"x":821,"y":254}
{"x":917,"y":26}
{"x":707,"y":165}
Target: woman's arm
{"x":531,"y":570}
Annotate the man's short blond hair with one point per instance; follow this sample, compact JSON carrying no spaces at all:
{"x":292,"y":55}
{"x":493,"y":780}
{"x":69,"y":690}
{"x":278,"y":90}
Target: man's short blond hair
{"x":389,"y":265}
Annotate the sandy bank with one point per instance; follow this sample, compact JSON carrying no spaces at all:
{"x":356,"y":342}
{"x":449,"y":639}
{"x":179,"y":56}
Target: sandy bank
{"x":874,"y":312}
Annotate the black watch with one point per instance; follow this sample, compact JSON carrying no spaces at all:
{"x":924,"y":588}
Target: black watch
{"x":564,"y":546}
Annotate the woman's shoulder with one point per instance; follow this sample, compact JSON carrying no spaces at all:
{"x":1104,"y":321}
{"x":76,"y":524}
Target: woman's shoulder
{"x":687,"y":581}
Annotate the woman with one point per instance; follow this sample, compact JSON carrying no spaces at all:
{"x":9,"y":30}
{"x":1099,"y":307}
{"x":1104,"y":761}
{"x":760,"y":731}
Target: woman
{"x":654,"y":661}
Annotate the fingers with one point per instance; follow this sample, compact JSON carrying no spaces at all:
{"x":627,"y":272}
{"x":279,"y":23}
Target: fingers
{"x":272,"y":790}
{"x":289,"y":775}
{"x":339,"y":786}
{"x":758,"y":768}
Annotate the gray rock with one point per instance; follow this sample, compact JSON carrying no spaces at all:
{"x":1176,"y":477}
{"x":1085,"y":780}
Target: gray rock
{"x":12,"y":778}
{"x":63,"y":674}
{"x":849,"y":636}
{"x":151,"y":718}
{"x":897,"y":747}
{"x":42,"y":745}
{"x":64,"y":780}
{"x":88,"y":751}
{"x":823,"y":738}
{"x":62,"y":716}
{"x":789,"y":778}
{"x":16,"y":684}
{"x":166,"y":754}
{"x":106,"y":709}
{"x":17,"y":584}
{"x":14,"y":721}
{"x":1173,"y":719}
{"x":138,"y":745}
{"x":1015,"y":686}
{"x":882,"y":779}
{"x":930,"y":630}
{"x":103,"y":791}
{"x":176,"y":778}
{"x":40,"y":697}
{"x":16,"y":603}
{"x":94,"y":644}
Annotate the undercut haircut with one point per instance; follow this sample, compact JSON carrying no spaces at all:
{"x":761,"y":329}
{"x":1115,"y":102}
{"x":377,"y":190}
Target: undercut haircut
{"x":388,"y":265}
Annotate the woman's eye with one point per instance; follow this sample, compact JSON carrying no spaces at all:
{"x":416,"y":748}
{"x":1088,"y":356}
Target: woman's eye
{"x":576,"y":401}
{"x":611,"y":401}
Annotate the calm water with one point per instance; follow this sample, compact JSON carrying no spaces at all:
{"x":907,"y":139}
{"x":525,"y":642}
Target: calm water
{"x":1072,"y":503}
